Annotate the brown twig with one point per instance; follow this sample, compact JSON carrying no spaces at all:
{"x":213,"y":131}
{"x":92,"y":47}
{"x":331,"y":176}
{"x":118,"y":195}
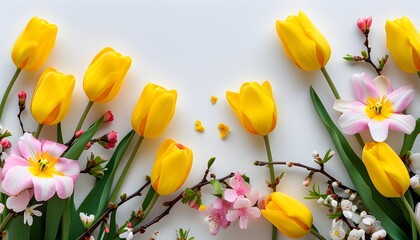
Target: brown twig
{"x":368,"y":50}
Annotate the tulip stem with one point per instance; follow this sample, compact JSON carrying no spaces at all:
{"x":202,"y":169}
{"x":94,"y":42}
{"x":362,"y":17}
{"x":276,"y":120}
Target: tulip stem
{"x":6,"y":221}
{"x":38,"y":130}
{"x":330,"y":83}
{"x":8,"y":89}
{"x":151,"y":204}
{"x":316,"y":233}
{"x":83,"y":117}
{"x":410,"y":211}
{"x":272,"y":178}
{"x":126,"y":168}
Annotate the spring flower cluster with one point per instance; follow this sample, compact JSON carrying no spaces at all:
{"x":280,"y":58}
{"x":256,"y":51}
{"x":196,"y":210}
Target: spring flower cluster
{"x":38,"y":172}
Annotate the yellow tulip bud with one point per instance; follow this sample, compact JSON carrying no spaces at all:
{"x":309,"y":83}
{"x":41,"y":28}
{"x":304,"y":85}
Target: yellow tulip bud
{"x":105,"y":75}
{"x":153,"y":111}
{"x":403,"y":41}
{"x":254,"y":106}
{"x":51,"y":97}
{"x":290,"y":216}
{"x":303,"y":43}
{"x":34,"y":44}
{"x":385,"y":168}
{"x":171,"y":168}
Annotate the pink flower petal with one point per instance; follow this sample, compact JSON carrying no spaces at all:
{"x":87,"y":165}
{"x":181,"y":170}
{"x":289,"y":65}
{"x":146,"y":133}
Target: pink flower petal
{"x":230,"y":195}
{"x":65,"y":186}
{"x":378,"y":130}
{"x":16,"y":180}
{"x":383,"y":85}
{"x":242,"y":203}
{"x":14,"y":161}
{"x":353,"y":121}
{"x":19,"y":202}
{"x":44,"y":188}
{"x":68,"y":167}
{"x":345,"y":105}
{"x":232,"y":215}
{"x":28,"y":146}
{"x":254,"y":211}
{"x":55,"y":149}
{"x":402,"y":123}
{"x":401,"y":98}
{"x":363,"y":87}
{"x":243,"y":222}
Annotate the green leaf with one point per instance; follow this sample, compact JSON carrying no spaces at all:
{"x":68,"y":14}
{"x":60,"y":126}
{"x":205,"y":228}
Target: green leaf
{"x":218,"y":190}
{"x":210,"y":162}
{"x":79,"y":145}
{"x":149,"y":197}
{"x":18,"y":230}
{"x":382,"y":208}
{"x":55,"y":207}
{"x":97,"y":199}
{"x":410,"y":139}
{"x":112,"y":227}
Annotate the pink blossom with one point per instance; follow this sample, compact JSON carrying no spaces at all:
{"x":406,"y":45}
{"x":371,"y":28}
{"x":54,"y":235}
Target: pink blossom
{"x":36,"y":164}
{"x":364,"y":23}
{"x":217,"y":216}
{"x":378,"y":108}
{"x":5,"y":143}
{"x":108,"y":117}
{"x":239,"y":188}
{"x":242,"y":209}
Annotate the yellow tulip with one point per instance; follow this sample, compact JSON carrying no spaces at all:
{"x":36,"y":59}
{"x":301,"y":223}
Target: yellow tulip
{"x":105,"y":75}
{"x":34,"y":44}
{"x":171,"y":168}
{"x":403,"y":41}
{"x":303,"y":43}
{"x":51,"y":97}
{"x":153,"y":111}
{"x":290,"y":216}
{"x":385,"y":168}
{"x":254,"y":106}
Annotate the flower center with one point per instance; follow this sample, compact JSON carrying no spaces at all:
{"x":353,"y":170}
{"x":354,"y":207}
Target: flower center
{"x":379,"y":108}
{"x":43,"y":165}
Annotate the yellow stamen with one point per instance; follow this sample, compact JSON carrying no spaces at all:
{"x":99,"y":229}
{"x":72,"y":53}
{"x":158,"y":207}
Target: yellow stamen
{"x":379,"y":108}
{"x":43,"y":165}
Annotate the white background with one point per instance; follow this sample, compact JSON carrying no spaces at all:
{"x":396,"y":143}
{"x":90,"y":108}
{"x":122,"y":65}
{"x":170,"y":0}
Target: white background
{"x":203,"y":48}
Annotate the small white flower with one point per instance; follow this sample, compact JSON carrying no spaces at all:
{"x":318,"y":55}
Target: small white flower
{"x":320,"y":200}
{"x":127,"y":232}
{"x":381,"y":234}
{"x":349,"y":211}
{"x":417,"y":212}
{"x":337,"y":231}
{"x":415,"y":163}
{"x":369,"y":223}
{"x":27,"y":215}
{"x":87,"y":220}
{"x":415,"y":181}
{"x":356,"y":234}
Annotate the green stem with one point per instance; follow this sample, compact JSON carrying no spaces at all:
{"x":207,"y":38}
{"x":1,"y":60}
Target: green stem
{"x":418,"y":74}
{"x":65,"y":220}
{"x":272,"y":178}
{"x":330,"y":83}
{"x":6,"y":221}
{"x":410,"y":211}
{"x":317,"y":234}
{"x":150,"y":206}
{"x":360,"y":140}
{"x":7,"y":92}
{"x":38,"y":130}
{"x":59,"y":133}
{"x":126,"y":168}
{"x":83,"y":117}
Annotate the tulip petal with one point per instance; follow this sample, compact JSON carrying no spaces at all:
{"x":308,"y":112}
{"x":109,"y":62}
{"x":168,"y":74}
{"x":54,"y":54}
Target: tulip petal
{"x":378,"y":129}
{"x":53,"y":148}
{"x":64,"y":186}
{"x":44,"y":188}
{"x":383,"y":85}
{"x":402,"y":123}
{"x":353,"y":121}
{"x":160,"y":114}
{"x":17,"y":180}
{"x":401,"y":98}
{"x":28,"y":146}
{"x":68,"y":167}
{"x":19,"y":202}
{"x":364,"y":87}
{"x":345,"y":105}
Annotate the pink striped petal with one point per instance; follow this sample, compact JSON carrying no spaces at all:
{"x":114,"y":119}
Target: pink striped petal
{"x":232,"y":215}
{"x":383,"y":85}
{"x":16,"y":180}
{"x":243,"y":222}
{"x":379,"y":129}
{"x":402,"y":123}
{"x":353,"y":121}
{"x":55,"y":149}
{"x":19,"y":202}
{"x":64,"y":185}
{"x":28,"y":146}
{"x":345,"y":105}
{"x":401,"y":98}
{"x":14,"y":161}
{"x":363,"y":87}
{"x":44,"y":188}
{"x":68,"y":167}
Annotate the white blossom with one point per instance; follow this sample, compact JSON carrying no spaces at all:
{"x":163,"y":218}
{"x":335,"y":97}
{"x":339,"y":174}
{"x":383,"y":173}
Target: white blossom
{"x":27,"y":215}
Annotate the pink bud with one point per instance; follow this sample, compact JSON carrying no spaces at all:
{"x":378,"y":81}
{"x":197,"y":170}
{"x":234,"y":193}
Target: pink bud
{"x":364,"y":24}
{"x":5,"y":143}
{"x":112,"y":137}
{"x":21,"y":99}
{"x":106,"y":229}
{"x":109,"y":145}
{"x":78,"y":133}
{"x":108,"y":117}
{"x":88,"y":145}
{"x":129,"y":225}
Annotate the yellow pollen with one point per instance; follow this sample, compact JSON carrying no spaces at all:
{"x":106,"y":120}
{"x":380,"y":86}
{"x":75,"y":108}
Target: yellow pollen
{"x":43,"y":165}
{"x":379,"y":108}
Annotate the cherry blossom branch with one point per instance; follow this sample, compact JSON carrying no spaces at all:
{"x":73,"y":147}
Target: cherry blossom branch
{"x":310,"y":169}
{"x":369,"y":50}
{"x":111,"y":207}
{"x":171,"y":204}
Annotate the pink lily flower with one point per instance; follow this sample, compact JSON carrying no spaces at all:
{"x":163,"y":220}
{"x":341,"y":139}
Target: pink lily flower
{"x":36,"y":164}
{"x":378,"y":108}
{"x":239,"y":188}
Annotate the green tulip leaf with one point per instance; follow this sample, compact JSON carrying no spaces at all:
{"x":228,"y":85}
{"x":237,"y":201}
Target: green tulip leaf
{"x":112,"y":227}
{"x":409,"y":139}
{"x":19,"y":230}
{"x":382,"y":208}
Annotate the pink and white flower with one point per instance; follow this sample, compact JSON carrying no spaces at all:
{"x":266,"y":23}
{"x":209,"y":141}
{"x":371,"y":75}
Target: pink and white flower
{"x":36,"y":164}
{"x":378,"y":108}
{"x":244,"y":208}
{"x":217,"y":215}
{"x":239,"y":188}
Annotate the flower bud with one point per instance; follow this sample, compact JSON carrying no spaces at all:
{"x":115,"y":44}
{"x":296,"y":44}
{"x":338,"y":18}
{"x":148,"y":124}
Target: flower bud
{"x":87,"y":220}
{"x":154,"y":111}
{"x":88,"y":145}
{"x":21,"y":100}
{"x":414,"y":162}
{"x":255,"y":107}
{"x":364,"y":24}
{"x":403,"y":41}
{"x":51,"y":97}
{"x":34,"y":44}
{"x":171,"y":168}
{"x":5,"y":143}
{"x":78,"y":133}
{"x":291,"y":217}
{"x":105,"y":75}
{"x":385,"y":168}
{"x":108,"y":117}
{"x":303,"y":43}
